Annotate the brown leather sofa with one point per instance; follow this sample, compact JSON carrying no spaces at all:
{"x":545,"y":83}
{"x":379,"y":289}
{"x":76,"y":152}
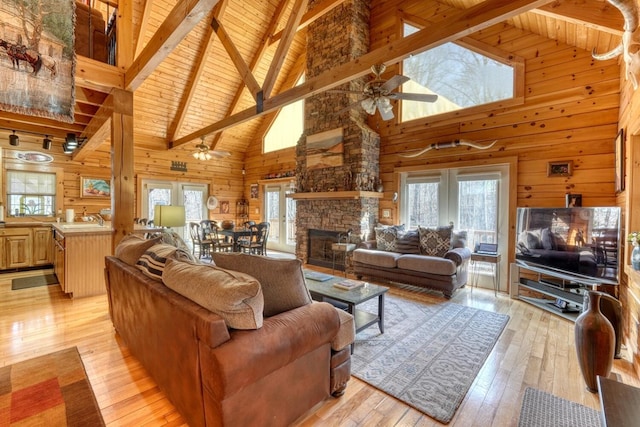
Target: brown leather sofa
{"x":216,"y":375}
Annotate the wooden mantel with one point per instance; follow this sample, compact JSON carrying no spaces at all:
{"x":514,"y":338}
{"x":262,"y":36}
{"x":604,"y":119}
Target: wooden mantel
{"x":334,"y":195}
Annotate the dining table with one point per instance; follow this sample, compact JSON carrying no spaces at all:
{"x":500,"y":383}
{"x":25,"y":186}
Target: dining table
{"x":235,"y":233}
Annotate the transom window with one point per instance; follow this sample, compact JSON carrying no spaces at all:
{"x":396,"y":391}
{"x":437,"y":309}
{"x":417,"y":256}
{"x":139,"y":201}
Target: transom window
{"x":30,"y":193}
{"x":462,"y":78}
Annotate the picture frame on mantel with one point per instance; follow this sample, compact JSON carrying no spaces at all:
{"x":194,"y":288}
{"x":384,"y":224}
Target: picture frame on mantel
{"x":560,"y":168}
{"x":619,"y":147}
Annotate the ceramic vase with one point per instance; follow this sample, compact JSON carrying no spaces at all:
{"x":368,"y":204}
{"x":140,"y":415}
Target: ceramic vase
{"x":635,"y":257}
{"x":595,"y":343}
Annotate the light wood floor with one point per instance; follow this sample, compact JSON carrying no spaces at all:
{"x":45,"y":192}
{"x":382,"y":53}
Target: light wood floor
{"x":536,"y":349}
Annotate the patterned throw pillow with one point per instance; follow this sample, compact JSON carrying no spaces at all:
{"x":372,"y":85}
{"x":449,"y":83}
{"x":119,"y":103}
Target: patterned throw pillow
{"x":435,"y":242}
{"x":387,"y":236}
{"x":153,"y":261}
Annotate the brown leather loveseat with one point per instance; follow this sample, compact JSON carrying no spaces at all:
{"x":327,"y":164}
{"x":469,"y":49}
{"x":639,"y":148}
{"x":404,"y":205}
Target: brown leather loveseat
{"x":269,"y":370}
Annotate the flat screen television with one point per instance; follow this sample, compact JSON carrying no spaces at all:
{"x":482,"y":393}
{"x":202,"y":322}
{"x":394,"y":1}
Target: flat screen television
{"x":581,"y":244}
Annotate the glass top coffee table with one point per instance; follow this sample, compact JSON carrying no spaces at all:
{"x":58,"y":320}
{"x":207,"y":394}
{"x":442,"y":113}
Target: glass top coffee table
{"x":349,"y":299}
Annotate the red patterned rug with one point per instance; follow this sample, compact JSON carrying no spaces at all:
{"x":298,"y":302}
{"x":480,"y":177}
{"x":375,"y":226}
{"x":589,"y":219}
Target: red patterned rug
{"x":48,"y":390}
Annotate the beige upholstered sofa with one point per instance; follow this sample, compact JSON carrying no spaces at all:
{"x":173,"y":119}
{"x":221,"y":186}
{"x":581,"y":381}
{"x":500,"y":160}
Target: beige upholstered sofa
{"x":228,"y":348}
{"x":435,"y":259}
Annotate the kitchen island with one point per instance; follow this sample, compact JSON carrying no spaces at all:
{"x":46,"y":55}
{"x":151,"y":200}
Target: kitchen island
{"x":80,"y":249}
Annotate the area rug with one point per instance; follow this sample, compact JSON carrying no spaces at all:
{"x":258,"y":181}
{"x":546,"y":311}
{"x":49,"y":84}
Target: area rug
{"x":541,"y":409}
{"x":33,"y":281}
{"x":48,"y":390}
{"x":429,"y":355}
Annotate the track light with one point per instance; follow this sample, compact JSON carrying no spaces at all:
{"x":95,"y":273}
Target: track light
{"x":14,"y":140}
{"x":71,"y":140}
{"x":46,"y":143}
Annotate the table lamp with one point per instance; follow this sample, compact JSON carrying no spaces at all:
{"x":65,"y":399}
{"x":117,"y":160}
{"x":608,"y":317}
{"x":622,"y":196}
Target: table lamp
{"x":169,"y":216}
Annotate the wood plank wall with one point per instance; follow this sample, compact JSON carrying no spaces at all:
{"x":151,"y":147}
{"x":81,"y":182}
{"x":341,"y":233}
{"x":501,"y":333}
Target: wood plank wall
{"x":224,"y":177}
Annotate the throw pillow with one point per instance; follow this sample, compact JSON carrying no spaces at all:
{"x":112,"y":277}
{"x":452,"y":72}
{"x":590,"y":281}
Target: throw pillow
{"x":435,"y":242}
{"x":153,"y":261}
{"x":131,"y":248}
{"x":408,"y":243}
{"x":387,"y":236}
{"x":458,"y":239}
{"x":282,"y":280}
{"x":234,"y":296}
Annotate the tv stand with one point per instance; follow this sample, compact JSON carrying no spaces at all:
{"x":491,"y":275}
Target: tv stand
{"x":561,"y":295}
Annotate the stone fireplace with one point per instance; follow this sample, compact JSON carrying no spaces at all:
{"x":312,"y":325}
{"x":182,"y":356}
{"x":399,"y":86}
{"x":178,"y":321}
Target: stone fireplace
{"x":338,"y":196}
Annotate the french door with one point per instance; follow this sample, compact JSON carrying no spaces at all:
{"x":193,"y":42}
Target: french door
{"x":474,"y":199}
{"x":192,"y":196}
{"x":280,"y":212}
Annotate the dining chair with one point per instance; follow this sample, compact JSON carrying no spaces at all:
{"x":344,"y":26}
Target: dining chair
{"x":257,"y":243}
{"x":220,"y":243}
{"x":197,"y":240}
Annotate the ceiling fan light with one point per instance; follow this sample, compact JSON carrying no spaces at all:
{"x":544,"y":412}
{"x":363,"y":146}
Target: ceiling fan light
{"x":207,"y":156}
{"x":368,"y":105}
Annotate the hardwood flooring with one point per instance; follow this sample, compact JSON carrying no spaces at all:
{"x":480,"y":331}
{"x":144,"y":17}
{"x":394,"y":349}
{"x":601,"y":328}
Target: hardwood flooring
{"x":536,"y":349}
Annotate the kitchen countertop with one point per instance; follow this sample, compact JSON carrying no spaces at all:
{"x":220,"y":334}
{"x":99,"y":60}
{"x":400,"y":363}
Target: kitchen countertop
{"x":78,"y":228}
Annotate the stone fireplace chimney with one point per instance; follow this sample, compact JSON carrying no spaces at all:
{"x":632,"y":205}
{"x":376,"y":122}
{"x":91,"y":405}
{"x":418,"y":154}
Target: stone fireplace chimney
{"x":338,"y":155}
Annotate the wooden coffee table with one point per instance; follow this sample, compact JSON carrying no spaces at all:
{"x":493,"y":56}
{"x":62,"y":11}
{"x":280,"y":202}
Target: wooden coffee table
{"x":349,"y":299}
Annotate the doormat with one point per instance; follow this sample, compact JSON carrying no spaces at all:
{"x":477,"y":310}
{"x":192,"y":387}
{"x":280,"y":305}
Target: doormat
{"x":48,"y":390}
{"x":33,"y":282}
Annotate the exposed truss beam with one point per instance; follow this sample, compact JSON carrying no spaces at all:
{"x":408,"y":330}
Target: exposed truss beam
{"x":283,"y":47}
{"x":318,"y":10}
{"x":180,"y":21}
{"x":196,"y":72}
{"x":143,"y":27}
{"x":599,"y":15}
{"x":262,"y":48}
{"x":242,"y":67}
{"x":458,"y":24}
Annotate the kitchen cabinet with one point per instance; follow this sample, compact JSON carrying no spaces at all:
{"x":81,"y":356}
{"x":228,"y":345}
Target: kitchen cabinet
{"x":42,"y":246}
{"x":16,"y":244}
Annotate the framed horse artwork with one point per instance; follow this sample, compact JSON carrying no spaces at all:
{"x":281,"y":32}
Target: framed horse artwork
{"x":37,"y":60}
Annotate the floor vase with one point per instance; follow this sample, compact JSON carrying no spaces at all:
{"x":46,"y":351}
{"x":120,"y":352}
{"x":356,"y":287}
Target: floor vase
{"x":595,"y":342}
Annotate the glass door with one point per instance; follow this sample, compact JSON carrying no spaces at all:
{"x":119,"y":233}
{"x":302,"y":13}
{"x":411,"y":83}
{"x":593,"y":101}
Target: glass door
{"x":280,"y":212}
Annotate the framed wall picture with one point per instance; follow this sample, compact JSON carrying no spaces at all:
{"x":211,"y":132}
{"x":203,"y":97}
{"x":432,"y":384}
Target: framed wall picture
{"x":620,"y":161}
{"x":560,"y":168}
{"x":254,"y":191}
{"x":95,"y":187}
{"x":224,"y":207}
{"x":573,"y":200}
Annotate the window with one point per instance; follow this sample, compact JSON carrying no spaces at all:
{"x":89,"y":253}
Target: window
{"x":31,"y":193}
{"x":461,"y":78}
{"x":286,"y":129}
{"x":468,"y":197}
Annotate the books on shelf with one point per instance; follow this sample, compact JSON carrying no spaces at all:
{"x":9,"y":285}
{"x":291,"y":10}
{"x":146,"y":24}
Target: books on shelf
{"x":348,"y":284}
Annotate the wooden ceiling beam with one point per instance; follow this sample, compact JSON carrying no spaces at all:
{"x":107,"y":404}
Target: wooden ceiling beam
{"x":92,"y":74}
{"x":99,"y":128}
{"x":196,"y":73}
{"x":181,"y":20}
{"x":318,"y":10}
{"x":458,"y":24}
{"x":599,"y":15}
{"x":262,"y":48}
{"x":283,"y":47}
{"x":146,"y":13}
{"x":242,"y":67}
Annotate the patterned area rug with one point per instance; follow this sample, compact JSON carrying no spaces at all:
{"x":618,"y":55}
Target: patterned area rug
{"x":541,"y":409}
{"x":48,"y":390}
{"x":429,"y":355}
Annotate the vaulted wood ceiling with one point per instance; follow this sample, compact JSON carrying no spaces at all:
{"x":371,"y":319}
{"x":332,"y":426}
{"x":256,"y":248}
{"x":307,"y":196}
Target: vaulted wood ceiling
{"x":239,"y":61}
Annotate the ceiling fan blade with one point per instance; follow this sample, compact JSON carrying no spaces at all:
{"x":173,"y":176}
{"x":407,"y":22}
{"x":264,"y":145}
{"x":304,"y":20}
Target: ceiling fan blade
{"x":386,"y":114}
{"x":423,"y":97}
{"x":394,"y":82}
{"x":350,"y":106}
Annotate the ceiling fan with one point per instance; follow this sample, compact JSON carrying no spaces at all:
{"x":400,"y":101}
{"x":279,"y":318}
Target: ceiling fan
{"x":378,"y":93}
{"x":204,"y":152}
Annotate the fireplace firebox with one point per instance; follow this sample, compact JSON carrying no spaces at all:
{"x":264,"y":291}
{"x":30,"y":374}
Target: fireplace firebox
{"x":319,"y":248}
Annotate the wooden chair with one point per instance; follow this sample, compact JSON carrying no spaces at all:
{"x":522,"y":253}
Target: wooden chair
{"x":197,"y":240}
{"x":220,"y":243}
{"x":257,"y":243}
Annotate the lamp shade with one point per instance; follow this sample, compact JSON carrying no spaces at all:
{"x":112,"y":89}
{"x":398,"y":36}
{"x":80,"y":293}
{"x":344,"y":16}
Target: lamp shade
{"x":169,"y":216}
